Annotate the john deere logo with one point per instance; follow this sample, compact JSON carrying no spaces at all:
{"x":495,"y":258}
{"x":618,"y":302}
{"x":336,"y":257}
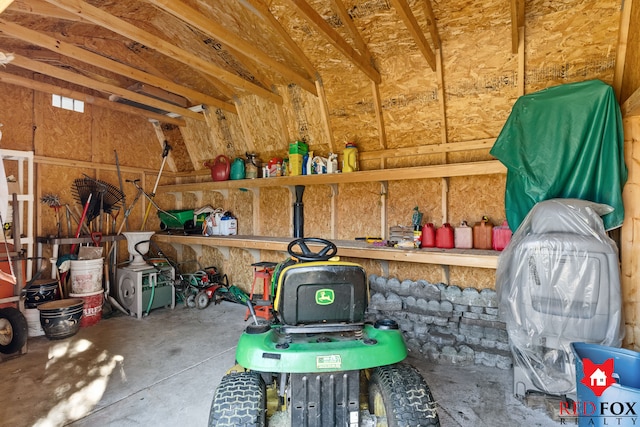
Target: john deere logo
{"x":325,"y":296}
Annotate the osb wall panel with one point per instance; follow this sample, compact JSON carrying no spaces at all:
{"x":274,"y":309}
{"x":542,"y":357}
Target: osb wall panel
{"x":16,"y":105}
{"x":568,"y":41}
{"x":470,"y":198}
{"x":478,"y":67}
{"x":124,"y":127}
{"x":358,"y":210}
{"x":630,"y":234}
{"x":178,"y":153}
{"x":466,"y":277}
{"x":222,"y":134}
{"x":62,"y":133}
{"x":203,"y":141}
{"x":304,"y":121}
{"x":262,"y":124}
{"x":403,"y":196}
{"x":240,"y":204}
{"x":631,"y":74}
{"x":317,"y":211}
{"x":275,"y":211}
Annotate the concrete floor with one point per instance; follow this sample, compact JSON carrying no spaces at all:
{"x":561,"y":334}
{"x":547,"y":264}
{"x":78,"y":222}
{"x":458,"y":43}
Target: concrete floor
{"x":162,"y":370}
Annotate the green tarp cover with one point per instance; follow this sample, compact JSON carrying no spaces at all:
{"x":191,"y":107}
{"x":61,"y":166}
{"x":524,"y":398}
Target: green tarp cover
{"x":564,"y":142}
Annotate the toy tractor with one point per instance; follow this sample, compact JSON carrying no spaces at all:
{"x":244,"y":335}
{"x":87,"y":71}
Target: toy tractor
{"x":319,"y":363}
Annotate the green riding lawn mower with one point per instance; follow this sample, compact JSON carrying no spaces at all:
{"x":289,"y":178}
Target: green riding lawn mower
{"x":319,"y":363}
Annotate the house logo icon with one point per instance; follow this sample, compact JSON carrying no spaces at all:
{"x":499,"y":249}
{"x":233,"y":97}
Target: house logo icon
{"x":598,"y":377}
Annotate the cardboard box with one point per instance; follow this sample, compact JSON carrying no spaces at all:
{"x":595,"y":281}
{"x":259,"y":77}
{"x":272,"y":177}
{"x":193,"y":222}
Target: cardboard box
{"x":295,"y":164}
{"x":298,"y":147}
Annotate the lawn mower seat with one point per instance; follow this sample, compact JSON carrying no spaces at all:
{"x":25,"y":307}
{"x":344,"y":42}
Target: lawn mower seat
{"x":322,"y":293}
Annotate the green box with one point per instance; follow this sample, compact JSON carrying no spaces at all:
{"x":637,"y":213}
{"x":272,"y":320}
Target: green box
{"x":298,"y":147}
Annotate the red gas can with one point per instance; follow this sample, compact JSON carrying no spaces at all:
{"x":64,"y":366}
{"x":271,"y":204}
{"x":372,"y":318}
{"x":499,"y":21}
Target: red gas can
{"x":428,"y":236}
{"x":482,"y":234}
{"x":444,"y":236}
{"x":501,"y":236}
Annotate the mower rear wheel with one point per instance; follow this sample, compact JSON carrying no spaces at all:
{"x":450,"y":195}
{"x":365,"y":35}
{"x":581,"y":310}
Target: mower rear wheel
{"x":13,"y":330}
{"x":202,"y":300}
{"x":239,"y":401}
{"x":400,"y":394}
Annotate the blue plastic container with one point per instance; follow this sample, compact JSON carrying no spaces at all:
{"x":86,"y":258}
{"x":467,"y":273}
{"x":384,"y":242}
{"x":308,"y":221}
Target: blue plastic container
{"x":619,"y":404}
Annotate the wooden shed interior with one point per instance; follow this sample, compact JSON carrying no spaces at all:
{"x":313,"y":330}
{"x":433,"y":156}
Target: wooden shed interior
{"x":423,"y":87}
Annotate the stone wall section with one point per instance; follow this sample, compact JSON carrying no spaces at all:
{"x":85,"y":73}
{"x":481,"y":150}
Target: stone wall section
{"x":441,"y":323}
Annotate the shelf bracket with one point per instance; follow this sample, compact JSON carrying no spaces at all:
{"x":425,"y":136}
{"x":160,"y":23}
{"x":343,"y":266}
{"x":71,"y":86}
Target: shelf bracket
{"x":224,"y":250}
{"x":384,"y":265}
{"x":255,"y":253}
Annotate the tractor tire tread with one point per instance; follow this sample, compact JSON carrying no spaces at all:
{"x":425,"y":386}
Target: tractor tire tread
{"x":410,"y":402}
{"x":239,"y":401}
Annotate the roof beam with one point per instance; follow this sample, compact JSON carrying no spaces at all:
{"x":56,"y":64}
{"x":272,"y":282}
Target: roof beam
{"x":339,"y":8}
{"x":72,"y":51}
{"x":262,"y":11}
{"x":41,"y":8}
{"x":211,"y":28}
{"x":403,"y":9}
{"x":88,"y":99}
{"x":71,"y":77}
{"x":119,"y":26}
{"x":5,"y":4}
{"x":335,"y":39}
{"x":431,"y":23}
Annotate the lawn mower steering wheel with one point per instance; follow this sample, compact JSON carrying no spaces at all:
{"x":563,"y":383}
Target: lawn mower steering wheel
{"x":305,"y":254}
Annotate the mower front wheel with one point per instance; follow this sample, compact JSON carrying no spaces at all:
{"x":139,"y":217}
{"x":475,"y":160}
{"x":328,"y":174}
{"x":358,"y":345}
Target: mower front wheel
{"x":13,"y":330}
{"x":399,"y":394}
{"x":239,"y":401}
{"x":202,"y":300}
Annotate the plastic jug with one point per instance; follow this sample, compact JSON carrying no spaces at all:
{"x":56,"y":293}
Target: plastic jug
{"x":444,"y":236}
{"x":501,"y":236}
{"x":482,"y":234}
{"x":228,"y":225}
{"x":350,"y":158}
{"x":237,"y":169}
{"x":463,"y":236}
{"x":219,"y":168}
{"x":428,"y":236}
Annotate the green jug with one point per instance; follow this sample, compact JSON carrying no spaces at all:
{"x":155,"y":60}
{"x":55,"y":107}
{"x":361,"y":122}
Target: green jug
{"x":237,"y":169}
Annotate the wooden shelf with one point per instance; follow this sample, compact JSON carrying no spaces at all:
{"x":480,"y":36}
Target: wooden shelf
{"x":420,"y":172}
{"x":346,"y":248}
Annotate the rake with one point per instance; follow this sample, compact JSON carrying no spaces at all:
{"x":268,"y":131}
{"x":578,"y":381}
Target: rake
{"x":105,"y":197}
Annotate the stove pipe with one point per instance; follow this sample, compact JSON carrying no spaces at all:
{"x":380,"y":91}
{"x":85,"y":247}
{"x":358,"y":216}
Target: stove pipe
{"x":298,"y":213}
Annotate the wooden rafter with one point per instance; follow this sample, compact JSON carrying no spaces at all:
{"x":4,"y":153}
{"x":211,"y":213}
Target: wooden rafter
{"x":71,"y":77}
{"x":339,"y":8}
{"x":403,"y":9}
{"x":517,"y":22}
{"x":262,"y":11}
{"x":431,"y":23}
{"x":621,"y":51}
{"x":89,"y":99}
{"x":119,"y":26}
{"x":335,"y":39}
{"x":99,"y":61}
{"x":631,"y":106}
{"x":211,"y":28}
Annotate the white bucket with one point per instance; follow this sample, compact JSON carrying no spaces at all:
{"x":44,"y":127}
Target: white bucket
{"x":33,"y":322}
{"x":86,"y":275}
